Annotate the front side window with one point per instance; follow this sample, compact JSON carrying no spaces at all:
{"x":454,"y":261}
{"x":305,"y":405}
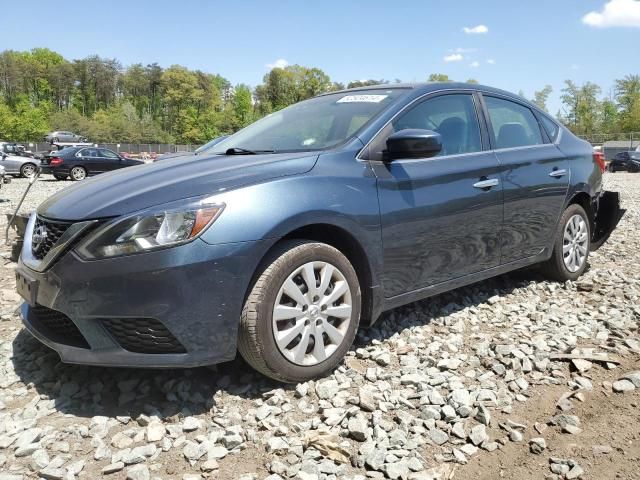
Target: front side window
{"x":452,"y":116}
{"x":315,"y":124}
{"x":108,"y":153}
{"x":513,"y":125}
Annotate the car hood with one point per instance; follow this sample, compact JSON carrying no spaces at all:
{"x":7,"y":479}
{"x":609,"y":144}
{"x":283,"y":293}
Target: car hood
{"x":136,"y":188}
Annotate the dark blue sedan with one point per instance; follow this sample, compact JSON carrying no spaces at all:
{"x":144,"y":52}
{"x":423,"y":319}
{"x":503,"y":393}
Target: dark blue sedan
{"x":307,"y":224}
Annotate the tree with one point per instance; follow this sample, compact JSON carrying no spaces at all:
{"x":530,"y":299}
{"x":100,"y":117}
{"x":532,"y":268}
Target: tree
{"x":472,"y":81}
{"x":439,"y":77}
{"x":582,"y":108}
{"x":627,"y":91}
{"x":540,"y":97}
{"x":243,"y":105}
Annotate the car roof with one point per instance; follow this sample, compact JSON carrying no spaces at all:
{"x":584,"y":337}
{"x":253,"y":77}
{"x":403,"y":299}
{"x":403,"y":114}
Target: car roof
{"x":427,"y":87}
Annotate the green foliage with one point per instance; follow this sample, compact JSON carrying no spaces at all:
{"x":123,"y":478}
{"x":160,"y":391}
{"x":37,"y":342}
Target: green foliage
{"x":96,"y":97}
{"x":439,"y":77}
{"x":541,"y":97}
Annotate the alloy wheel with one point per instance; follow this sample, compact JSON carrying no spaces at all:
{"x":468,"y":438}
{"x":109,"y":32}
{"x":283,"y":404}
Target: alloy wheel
{"x":78,"y":173}
{"x":28,"y":170}
{"x":575,"y":243}
{"x":312,"y":313}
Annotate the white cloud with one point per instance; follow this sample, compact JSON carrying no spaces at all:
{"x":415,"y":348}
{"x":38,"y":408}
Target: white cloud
{"x":575,"y":67}
{"x":478,"y":29}
{"x":474,"y":64}
{"x":491,"y":61}
{"x":279,"y":63}
{"x":615,"y":13}
{"x":465,"y":50}
{"x":454,"y":57}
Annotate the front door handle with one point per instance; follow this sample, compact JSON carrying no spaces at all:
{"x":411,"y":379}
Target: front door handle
{"x":487,"y":183}
{"x":558,"y":173}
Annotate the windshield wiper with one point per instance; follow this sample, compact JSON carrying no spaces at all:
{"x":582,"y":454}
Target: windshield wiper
{"x":245,"y":151}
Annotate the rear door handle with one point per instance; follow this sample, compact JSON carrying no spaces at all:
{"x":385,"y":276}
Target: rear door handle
{"x":558,"y":173}
{"x":487,"y":183}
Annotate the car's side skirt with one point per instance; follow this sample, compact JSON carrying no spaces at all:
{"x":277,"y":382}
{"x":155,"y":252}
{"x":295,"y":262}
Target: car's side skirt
{"x":431,"y":290}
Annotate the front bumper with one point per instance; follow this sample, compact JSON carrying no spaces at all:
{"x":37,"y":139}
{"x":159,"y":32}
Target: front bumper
{"x":178,"y":307}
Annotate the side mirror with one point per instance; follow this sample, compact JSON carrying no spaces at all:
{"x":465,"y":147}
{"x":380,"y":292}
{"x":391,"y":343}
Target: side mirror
{"x":413,"y":143}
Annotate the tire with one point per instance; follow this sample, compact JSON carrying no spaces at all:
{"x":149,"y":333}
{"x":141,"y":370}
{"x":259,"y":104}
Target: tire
{"x":78,"y":173}
{"x":59,"y":177}
{"x":27,"y":170}
{"x":559,"y":269}
{"x":257,"y":335}
{"x":55,"y":140}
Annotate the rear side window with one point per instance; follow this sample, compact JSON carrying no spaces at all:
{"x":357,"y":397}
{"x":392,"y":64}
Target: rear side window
{"x":513,"y":125}
{"x":550,"y":127}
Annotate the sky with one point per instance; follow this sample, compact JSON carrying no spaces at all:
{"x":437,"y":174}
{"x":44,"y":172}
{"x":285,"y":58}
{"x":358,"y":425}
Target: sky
{"x":515,"y":45}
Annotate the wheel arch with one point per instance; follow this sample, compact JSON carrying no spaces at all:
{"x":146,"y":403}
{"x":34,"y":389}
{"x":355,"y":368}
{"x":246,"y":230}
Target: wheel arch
{"x":344,"y":241}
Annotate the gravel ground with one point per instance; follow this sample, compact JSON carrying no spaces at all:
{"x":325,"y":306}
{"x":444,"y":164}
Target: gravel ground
{"x":471,"y":384}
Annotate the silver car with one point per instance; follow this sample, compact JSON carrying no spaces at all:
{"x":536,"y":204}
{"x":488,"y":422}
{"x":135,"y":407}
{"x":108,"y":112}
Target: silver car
{"x":19,"y":166}
{"x":63,"y":136}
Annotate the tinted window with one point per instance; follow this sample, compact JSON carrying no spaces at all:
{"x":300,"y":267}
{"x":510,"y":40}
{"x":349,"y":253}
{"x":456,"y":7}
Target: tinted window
{"x":107,"y":153}
{"x":89,"y":152}
{"x":550,"y":127}
{"x":452,"y":116}
{"x":513,"y":125}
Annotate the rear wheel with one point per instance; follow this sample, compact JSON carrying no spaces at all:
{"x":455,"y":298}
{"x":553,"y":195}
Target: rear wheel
{"x":302,"y":313}
{"x":55,"y":140}
{"x":78,"y":173}
{"x":571,"y":247}
{"x":28,"y":170}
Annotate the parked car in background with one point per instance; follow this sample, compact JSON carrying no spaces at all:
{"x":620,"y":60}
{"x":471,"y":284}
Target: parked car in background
{"x":19,"y":166}
{"x":80,"y":162}
{"x":287,"y":235}
{"x":198,"y":151}
{"x":62,"y":136}
{"x":625,"y":161}
{"x":12,"y":148}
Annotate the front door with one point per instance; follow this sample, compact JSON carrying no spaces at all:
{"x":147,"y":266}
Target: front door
{"x":535,"y":178}
{"x":440,"y":216}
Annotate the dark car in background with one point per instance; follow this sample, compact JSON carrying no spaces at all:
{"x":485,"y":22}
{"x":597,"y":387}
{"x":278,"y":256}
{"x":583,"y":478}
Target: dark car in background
{"x":625,"y":161}
{"x":307,"y":223}
{"x":79,"y":162}
{"x":63,"y":136}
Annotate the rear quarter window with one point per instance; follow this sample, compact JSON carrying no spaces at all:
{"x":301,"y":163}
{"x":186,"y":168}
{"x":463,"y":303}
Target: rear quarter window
{"x":550,"y":127}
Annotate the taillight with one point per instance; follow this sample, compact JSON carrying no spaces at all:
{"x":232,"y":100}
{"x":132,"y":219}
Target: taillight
{"x":598,"y":158}
{"x":55,"y":161}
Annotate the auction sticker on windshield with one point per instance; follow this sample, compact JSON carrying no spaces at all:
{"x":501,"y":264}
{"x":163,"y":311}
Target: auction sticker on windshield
{"x":362,"y":98}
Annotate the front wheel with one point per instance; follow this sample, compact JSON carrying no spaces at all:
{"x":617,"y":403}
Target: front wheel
{"x":78,"y":173}
{"x":571,"y":247}
{"x":302,"y":313}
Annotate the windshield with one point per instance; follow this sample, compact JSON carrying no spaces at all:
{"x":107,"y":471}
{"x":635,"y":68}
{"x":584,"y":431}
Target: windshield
{"x":314,"y":124}
{"x":209,"y":144}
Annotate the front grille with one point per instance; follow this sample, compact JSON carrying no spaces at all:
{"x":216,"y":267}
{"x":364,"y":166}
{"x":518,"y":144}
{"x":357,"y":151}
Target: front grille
{"x":143,"y":335}
{"x":45,"y":235}
{"x":57,"y":326}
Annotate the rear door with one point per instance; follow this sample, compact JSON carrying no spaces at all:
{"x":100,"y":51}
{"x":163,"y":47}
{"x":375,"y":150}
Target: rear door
{"x":535,"y":177}
{"x":91,"y":160}
{"x":440,"y":216}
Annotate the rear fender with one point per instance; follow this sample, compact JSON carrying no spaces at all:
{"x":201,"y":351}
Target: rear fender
{"x":606,"y":218}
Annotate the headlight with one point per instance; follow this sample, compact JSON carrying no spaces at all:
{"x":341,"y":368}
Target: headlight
{"x":149,"y":231}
